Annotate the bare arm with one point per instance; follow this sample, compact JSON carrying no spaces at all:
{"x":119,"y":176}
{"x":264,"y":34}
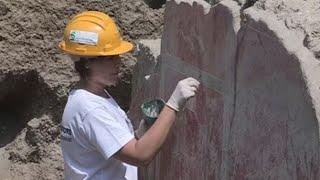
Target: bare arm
{"x":141,"y":152}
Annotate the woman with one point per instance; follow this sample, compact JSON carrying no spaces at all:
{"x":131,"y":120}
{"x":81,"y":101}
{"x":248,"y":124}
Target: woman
{"x":97,"y":138}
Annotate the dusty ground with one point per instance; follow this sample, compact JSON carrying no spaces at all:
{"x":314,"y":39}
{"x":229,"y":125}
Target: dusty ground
{"x":35,"y":77}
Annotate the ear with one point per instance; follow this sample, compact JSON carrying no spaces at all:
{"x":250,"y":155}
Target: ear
{"x":87,"y":66}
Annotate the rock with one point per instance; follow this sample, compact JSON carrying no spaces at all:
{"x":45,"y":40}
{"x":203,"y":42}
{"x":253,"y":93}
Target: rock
{"x":200,"y":42}
{"x":257,"y":111}
{"x":153,"y":45}
{"x":34,"y":123}
{"x":3,"y":9}
{"x":276,"y":118}
{"x":34,"y":156}
{"x":16,"y":157}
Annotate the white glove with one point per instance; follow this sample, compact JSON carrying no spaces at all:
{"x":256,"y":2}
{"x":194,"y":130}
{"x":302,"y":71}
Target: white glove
{"x":143,"y":127}
{"x":185,"y":89}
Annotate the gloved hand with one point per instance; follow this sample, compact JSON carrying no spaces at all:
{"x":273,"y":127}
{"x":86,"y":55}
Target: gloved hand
{"x":185,"y":89}
{"x":143,"y":127}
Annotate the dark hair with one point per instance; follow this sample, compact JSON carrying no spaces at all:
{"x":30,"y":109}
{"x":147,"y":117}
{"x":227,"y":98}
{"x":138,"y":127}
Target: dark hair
{"x":81,"y":64}
{"x":81,"y":67}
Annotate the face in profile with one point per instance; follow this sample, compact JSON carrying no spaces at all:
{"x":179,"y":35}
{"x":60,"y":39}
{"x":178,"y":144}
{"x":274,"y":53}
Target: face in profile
{"x":105,"y":70}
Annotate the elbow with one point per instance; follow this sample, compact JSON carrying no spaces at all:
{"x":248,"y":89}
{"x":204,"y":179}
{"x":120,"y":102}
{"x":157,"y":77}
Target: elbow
{"x":144,"y":156}
{"x":143,"y":164}
{"x":144,"y":161}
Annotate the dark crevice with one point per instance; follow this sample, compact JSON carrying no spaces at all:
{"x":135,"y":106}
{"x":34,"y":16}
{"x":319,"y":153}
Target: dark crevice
{"x":213,"y":2}
{"x":2,"y":38}
{"x":247,"y":4}
{"x":317,"y":54}
{"x":155,"y":4}
{"x":306,"y":43}
{"x":4,"y":10}
{"x":23,"y":97}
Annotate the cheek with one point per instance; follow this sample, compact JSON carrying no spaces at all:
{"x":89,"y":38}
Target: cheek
{"x":106,"y":70}
{"x":109,"y":69}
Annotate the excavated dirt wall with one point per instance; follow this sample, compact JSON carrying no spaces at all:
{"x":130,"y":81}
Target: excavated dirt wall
{"x":257,"y":112}
{"x":35,"y":77}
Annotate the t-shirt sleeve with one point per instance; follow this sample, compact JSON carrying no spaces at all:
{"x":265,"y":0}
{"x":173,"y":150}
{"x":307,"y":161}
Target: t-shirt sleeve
{"x":105,"y":132}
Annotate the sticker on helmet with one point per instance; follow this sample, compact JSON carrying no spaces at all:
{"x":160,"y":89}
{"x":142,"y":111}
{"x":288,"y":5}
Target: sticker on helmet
{"x":83,"y":37}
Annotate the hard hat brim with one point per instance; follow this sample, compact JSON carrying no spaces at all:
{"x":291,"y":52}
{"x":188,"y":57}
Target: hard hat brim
{"x":123,"y":48}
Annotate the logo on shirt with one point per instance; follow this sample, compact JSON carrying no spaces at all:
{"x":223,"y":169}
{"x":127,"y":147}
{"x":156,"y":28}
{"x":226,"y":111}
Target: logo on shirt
{"x":66,"y":134}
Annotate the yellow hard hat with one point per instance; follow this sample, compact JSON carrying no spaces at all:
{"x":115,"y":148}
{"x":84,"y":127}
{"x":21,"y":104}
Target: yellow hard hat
{"x":93,"y":33}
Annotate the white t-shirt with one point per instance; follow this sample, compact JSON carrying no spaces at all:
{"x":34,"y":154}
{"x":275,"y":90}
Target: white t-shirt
{"x":93,"y":129}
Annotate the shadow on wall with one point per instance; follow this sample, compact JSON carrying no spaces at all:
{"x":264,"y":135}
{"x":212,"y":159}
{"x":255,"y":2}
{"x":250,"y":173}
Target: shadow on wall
{"x":22,"y":97}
